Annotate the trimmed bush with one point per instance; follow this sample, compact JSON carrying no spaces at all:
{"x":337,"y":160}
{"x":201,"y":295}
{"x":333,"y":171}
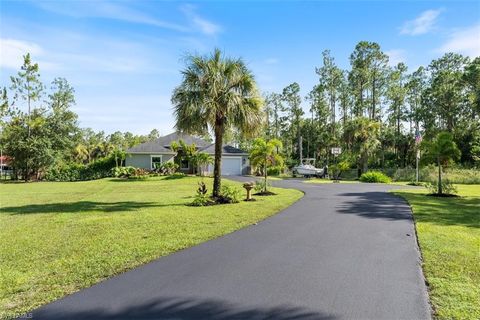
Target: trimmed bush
{"x":139,"y":174}
{"x":374,"y":177}
{"x":274,"y":171}
{"x":260,"y":185}
{"x":167,"y":168}
{"x":123,"y":172}
{"x":101,"y":168}
{"x":231,"y":194}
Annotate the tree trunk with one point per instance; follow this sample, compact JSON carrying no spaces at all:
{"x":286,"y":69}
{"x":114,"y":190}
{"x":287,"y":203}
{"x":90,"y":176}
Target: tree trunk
{"x":440,"y":189}
{"x":265,"y":174}
{"x":364,"y":163}
{"x":373,"y":100}
{"x":217,"y":173}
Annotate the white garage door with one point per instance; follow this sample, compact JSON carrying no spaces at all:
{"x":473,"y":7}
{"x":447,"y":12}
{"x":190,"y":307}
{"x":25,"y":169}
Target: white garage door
{"x":231,"y":166}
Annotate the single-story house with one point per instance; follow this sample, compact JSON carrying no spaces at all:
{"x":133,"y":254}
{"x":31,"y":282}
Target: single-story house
{"x":149,"y":154}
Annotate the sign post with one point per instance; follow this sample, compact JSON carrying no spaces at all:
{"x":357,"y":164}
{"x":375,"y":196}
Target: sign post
{"x":336,"y":151}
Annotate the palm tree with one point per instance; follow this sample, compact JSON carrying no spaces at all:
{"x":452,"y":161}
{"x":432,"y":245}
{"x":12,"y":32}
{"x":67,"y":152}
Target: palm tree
{"x":201,"y":160}
{"x":217,"y":93}
{"x":441,"y":150}
{"x":81,"y":153}
{"x":265,"y":154}
{"x":363,"y":134}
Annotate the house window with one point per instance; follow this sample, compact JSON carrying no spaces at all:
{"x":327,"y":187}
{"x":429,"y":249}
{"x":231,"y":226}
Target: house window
{"x":184,"y":164}
{"x":156,"y":161}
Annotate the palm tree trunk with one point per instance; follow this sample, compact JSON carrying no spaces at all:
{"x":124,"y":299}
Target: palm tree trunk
{"x":217,"y":173}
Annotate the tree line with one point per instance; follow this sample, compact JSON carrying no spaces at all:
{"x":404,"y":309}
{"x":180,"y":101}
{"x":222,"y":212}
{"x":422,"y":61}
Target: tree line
{"x":375,"y":111}
{"x":39,"y":130}
{"x":372,"y":111}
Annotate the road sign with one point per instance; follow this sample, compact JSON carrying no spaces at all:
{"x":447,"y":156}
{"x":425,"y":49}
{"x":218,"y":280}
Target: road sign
{"x":336,"y":151}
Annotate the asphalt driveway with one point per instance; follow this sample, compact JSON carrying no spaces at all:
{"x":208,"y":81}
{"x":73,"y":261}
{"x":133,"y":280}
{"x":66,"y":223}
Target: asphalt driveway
{"x":344,"y":251}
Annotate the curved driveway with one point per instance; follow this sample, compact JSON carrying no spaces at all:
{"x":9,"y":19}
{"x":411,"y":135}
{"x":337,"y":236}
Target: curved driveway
{"x":344,"y":251}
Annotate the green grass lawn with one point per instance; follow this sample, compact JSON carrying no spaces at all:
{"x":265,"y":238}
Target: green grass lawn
{"x":449,"y":236}
{"x":59,"y":237}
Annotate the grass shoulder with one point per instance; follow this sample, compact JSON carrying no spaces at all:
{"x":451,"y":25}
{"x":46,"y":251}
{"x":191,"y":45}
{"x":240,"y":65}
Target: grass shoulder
{"x":60,"y":237}
{"x":448,"y":231}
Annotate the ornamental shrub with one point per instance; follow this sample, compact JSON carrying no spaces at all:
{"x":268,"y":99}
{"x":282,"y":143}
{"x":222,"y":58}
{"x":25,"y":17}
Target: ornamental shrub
{"x":374,"y":177}
{"x":231,"y":194}
{"x":101,"y":168}
{"x":201,"y":198}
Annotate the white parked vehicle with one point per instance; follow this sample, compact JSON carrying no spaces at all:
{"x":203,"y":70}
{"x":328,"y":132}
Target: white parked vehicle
{"x":307,"y":170}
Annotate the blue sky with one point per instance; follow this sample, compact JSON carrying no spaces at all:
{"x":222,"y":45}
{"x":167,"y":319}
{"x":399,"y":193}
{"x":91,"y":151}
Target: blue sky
{"x":124,"y":57}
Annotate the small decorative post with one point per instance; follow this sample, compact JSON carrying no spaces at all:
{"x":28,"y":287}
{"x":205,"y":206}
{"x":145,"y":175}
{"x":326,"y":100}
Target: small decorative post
{"x":248,"y":186}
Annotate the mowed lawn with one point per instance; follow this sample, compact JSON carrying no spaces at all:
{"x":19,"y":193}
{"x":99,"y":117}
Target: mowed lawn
{"x":449,"y":236}
{"x":59,"y":237}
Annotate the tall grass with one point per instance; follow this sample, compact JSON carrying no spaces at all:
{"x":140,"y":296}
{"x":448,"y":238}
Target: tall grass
{"x":430,"y":173}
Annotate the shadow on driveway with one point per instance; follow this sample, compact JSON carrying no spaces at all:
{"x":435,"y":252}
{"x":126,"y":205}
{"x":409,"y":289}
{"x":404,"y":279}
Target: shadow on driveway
{"x":186,"y":309}
{"x":375,"y":205}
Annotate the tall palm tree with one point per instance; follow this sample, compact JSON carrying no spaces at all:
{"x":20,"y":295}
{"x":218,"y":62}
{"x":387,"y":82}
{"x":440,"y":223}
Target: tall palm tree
{"x":217,"y":93}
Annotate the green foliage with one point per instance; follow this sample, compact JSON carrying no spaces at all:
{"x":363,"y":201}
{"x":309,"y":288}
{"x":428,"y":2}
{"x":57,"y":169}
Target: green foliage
{"x":362,"y":134}
{"x":339,"y":168}
{"x":265,"y":154}
{"x":167,"y":168}
{"x":275,"y":170}
{"x":375,"y":177}
{"x":201,"y":160}
{"x":447,"y":187}
{"x":217,"y":93}
{"x":430,"y":173}
{"x":261,"y":185}
{"x":442,"y":150}
{"x":202,"y":198}
{"x":231,"y":194}
{"x":123,"y":172}
{"x":139,"y":174}
{"x":101,"y":168}
{"x":176,"y":175}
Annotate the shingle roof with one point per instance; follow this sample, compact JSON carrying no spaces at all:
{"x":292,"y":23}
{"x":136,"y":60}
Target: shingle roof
{"x":226,"y":149}
{"x":162,"y":145}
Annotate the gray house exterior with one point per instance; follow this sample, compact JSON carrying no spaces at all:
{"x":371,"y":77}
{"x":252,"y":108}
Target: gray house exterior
{"x":146,"y":155}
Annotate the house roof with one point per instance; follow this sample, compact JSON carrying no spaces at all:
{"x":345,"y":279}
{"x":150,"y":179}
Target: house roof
{"x":162,"y":145}
{"x":226,"y":150}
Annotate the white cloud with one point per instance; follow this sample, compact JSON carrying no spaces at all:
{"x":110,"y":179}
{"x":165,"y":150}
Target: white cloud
{"x":395,"y":56}
{"x":424,"y":23}
{"x":465,"y":41}
{"x":200,"y":23}
{"x":108,"y":10}
{"x":13,"y":50}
